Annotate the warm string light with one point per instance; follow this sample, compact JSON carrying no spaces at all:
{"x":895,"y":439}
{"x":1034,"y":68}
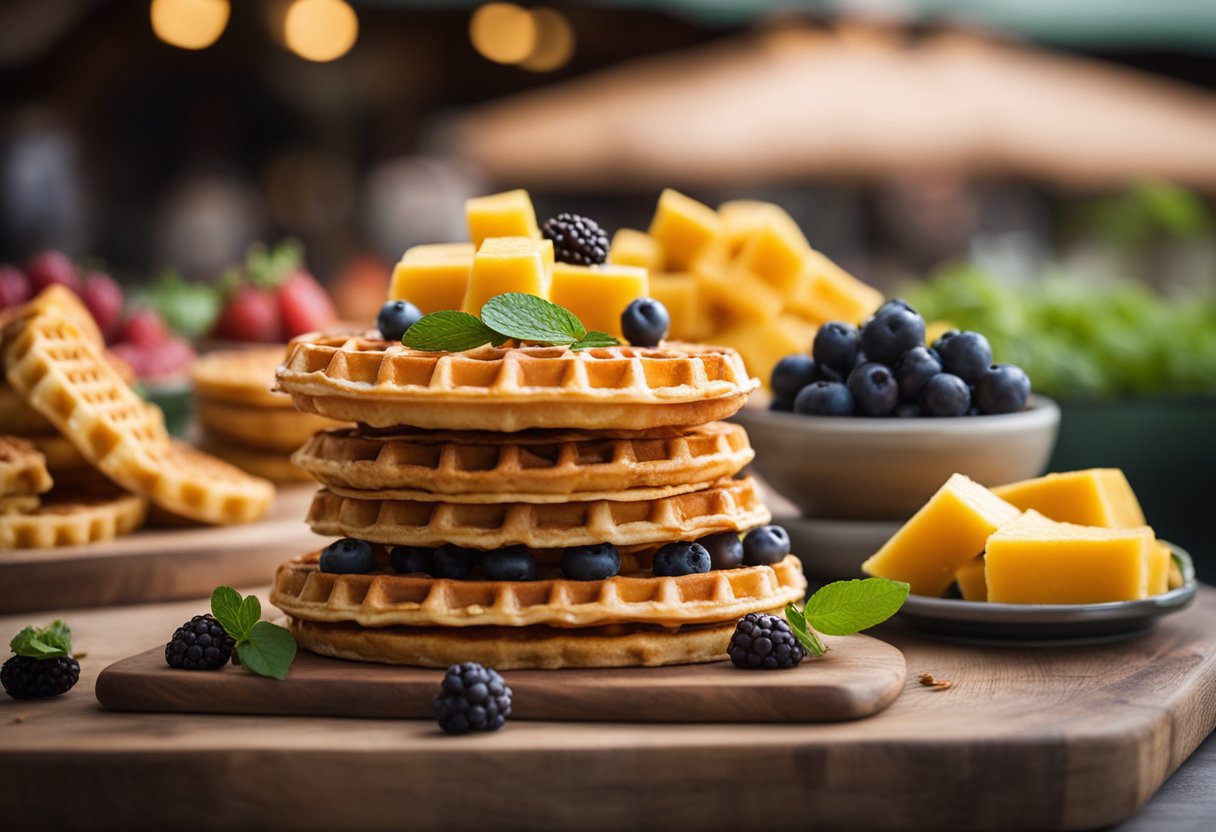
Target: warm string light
{"x":320,"y":30}
{"x":540,"y":40}
{"x":189,"y":24}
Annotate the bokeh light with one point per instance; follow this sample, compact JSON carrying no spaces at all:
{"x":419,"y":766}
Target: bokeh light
{"x":189,"y":24}
{"x":554,"y":41}
{"x":503,"y":32}
{"x":320,"y":30}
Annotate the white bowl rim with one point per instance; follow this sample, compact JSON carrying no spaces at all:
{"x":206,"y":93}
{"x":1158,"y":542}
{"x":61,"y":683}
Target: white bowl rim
{"x":1042,"y":413}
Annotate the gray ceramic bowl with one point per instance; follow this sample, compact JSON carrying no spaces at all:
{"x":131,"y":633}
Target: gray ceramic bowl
{"x":885,"y":469}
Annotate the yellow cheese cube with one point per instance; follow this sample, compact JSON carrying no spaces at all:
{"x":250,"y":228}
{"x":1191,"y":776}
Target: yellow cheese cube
{"x":1160,"y":562}
{"x":433,"y":277}
{"x":1093,"y":497}
{"x":509,"y":264}
{"x":684,"y":227}
{"x":690,"y":316}
{"x":777,"y":252}
{"x":1038,"y":561}
{"x":598,"y":294}
{"x":829,"y":293}
{"x":742,"y":218}
{"x":971,"y":581}
{"x":508,"y":214}
{"x":763,"y":344}
{"x":945,"y":533}
{"x":739,"y":295}
{"x":636,"y":248}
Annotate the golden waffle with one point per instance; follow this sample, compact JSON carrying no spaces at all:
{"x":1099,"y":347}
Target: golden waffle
{"x":242,"y":377}
{"x":362,"y":379}
{"x":62,"y":457}
{"x":63,"y":302}
{"x":23,"y":470}
{"x":269,"y":429}
{"x":65,"y":379}
{"x":275,"y":467}
{"x":528,"y":467}
{"x":19,"y":504}
{"x":519,"y":648}
{"x":73,"y":520}
{"x":379,"y":600}
{"x":729,"y":505}
{"x":17,"y":417}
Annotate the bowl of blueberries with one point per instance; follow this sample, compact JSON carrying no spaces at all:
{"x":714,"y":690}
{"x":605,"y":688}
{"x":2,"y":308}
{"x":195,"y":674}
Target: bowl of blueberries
{"x":872,"y":421}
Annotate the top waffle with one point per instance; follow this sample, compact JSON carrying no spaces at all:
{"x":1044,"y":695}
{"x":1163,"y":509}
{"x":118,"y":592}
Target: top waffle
{"x":363,"y":379}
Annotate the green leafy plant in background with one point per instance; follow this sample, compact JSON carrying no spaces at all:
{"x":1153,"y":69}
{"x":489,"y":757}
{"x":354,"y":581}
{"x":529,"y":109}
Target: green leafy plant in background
{"x":189,"y":309}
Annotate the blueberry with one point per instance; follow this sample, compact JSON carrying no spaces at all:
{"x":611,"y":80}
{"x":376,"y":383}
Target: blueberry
{"x":765,"y":545}
{"x":945,"y":395}
{"x":825,"y":398}
{"x":725,"y":550}
{"x":453,"y":562}
{"x":590,"y":563}
{"x":1004,"y":388}
{"x":874,"y":389}
{"x":348,"y":556}
{"x":413,"y":559}
{"x":894,"y":303}
{"x":645,"y":322}
{"x":515,"y":563}
{"x":907,"y":410}
{"x":825,"y":373}
{"x":861,"y":359}
{"x":791,"y":374}
{"x":891,"y":332}
{"x":965,"y":354}
{"x":396,"y":316}
{"x":835,"y":346}
{"x":681,"y":558}
{"x":915,"y":367}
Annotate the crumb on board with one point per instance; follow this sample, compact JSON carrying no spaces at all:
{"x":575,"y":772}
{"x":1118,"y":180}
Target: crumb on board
{"x":929,"y":681}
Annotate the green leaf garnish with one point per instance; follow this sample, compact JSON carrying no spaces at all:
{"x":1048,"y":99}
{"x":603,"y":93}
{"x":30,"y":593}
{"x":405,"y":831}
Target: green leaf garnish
{"x":264,"y":648}
{"x":805,"y":635}
{"x":450,"y":331}
{"x":846,"y":607}
{"x":48,"y":642}
{"x":531,"y":318}
{"x":594,"y":339}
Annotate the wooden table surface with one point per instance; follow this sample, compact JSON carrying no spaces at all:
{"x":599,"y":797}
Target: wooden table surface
{"x":933,"y":759}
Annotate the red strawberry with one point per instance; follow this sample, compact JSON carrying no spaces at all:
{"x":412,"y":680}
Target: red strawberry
{"x":304,"y":305}
{"x":250,"y":315}
{"x":169,"y":359}
{"x":14,"y":287}
{"x":104,"y":299}
{"x":50,"y":267}
{"x":144,"y":329}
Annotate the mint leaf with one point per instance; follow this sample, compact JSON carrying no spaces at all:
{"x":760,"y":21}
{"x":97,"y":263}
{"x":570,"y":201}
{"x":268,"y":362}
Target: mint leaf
{"x":226,"y":608}
{"x":451,"y":331}
{"x":48,"y":642}
{"x":247,"y":616}
{"x":594,"y":339}
{"x":846,"y":607}
{"x":531,"y":318}
{"x":268,"y":651}
{"x":805,"y":635}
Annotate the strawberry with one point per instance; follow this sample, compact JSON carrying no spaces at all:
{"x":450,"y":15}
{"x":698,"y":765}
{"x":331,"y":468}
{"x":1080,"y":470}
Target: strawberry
{"x":169,"y":359}
{"x":50,"y":267}
{"x":251,"y":314}
{"x":14,"y":287}
{"x":144,"y":329}
{"x":104,"y":298}
{"x":304,"y":305}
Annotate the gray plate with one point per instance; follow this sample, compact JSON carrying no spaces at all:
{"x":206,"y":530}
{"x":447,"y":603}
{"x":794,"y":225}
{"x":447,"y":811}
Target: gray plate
{"x":1041,"y":624}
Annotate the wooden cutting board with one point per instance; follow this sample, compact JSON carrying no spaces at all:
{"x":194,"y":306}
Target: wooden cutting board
{"x":158,"y":564}
{"x":857,"y":678}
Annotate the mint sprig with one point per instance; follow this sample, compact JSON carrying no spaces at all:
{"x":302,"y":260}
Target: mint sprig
{"x":266,"y":649}
{"x":512,"y":315}
{"x":843,"y":608}
{"x":48,"y":642}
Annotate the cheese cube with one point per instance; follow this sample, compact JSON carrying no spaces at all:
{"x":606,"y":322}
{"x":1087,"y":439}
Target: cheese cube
{"x":739,"y":295}
{"x":763,"y":344}
{"x":690,"y":316}
{"x":742,"y":218}
{"x":508,"y":214}
{"x":1093,"y":497}
{"x":684,"y":227}
{"x":1038,"y":561}
{"x":777,"y":252}
{"x":971,"y":581}
{"x":598,"y":295}
{"x":636,"y":248}
{"x":1160,"y":562}
{"x":509,"y":264}
{"x":945,"y":533}
{"x":433,"y":277}
{"x":829,"y":293}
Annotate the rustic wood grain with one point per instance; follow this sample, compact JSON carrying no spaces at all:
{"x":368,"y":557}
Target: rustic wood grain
{"x":157,"y":564}
{"x":1026,"y":738}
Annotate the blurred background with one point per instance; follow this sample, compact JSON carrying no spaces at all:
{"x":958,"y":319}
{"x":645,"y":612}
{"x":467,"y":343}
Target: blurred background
{"x":1041,"y":170}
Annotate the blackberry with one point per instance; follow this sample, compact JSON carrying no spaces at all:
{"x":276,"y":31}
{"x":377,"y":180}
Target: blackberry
{"x":472,"y":698}
{"x":199,"y":644}
{"x":576,"y":240}
{"x":28,"y":678}
{"x":764,"y":642}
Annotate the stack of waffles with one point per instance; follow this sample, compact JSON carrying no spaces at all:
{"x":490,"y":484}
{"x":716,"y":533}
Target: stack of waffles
{"x":105,"y":449}
{"x":242,"y":422}
{"x":536,"y":447}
